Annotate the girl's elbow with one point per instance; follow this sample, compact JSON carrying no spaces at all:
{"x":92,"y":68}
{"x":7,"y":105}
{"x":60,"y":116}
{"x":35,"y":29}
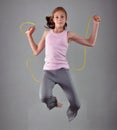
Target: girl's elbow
{"x":35,"y":53}
{"x":92,"y":45}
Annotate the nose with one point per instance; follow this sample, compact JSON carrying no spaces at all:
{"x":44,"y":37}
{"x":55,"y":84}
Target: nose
{"x":60,"y":19}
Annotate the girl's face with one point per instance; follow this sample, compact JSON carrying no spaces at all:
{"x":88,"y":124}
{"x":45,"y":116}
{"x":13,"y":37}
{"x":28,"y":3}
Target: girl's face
{"x":59,"y":19}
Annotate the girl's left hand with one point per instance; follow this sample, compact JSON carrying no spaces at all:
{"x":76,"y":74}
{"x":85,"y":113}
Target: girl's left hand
{"x":97,"y":18}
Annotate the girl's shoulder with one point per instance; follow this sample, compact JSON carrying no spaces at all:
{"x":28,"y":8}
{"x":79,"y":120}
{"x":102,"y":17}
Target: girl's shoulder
{"x":46,"y":32}
{"x":70,"y":34}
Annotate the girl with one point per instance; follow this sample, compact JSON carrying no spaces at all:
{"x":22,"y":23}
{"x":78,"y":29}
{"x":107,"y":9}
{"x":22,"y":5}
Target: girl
{"x":56,"y":40}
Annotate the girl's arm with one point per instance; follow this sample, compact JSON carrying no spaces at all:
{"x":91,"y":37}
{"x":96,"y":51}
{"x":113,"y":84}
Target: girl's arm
{"x":41,"y":45}
{"x":92,"y":39}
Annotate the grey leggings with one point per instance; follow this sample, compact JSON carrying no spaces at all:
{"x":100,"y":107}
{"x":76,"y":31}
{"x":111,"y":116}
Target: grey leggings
{"x":63,"y":79}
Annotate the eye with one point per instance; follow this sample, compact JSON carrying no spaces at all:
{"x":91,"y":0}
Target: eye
{"x":56,"y":17}
{"x":62,"y":16}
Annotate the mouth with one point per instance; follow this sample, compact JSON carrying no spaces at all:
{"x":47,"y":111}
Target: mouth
{"x":61,"y":23}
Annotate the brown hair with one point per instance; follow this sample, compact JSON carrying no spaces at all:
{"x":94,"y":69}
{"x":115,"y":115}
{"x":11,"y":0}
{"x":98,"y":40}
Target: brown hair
{"x":49,"y":19}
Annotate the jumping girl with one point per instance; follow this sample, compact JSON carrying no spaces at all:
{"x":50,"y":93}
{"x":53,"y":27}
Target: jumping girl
{"x":56,"y":40}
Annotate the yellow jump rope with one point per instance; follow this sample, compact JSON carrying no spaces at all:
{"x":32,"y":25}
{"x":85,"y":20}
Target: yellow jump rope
{"x":30,"y":58}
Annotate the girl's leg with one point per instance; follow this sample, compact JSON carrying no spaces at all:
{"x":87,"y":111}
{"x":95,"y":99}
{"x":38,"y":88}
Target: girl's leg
{"x":45,"y":91}
{"x":67,"y":86}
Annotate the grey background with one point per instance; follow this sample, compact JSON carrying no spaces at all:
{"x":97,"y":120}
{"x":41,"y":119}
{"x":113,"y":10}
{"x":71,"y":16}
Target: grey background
{"x":20,"y":107}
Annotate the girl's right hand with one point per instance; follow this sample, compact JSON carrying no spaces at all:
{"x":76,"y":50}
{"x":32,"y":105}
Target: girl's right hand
{"x":30,"y":31}
{"x":97,"y":19}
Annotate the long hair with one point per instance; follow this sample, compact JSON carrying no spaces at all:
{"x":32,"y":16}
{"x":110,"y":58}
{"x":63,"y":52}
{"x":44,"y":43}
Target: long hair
{"x":50,"y":24}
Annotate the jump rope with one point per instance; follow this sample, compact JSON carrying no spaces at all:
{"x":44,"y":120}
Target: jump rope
{"x":28,"y":60}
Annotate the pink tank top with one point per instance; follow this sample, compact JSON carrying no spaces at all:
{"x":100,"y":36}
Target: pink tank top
{"x":56,"y":45}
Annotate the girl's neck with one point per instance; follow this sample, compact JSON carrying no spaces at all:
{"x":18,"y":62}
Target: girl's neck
{"x":58,"y":30}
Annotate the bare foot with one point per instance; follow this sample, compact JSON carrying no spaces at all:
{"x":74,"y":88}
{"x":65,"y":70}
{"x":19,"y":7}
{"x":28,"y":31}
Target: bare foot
{"x":59,"y":105}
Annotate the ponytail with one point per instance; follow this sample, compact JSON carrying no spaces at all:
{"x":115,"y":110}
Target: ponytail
{"x":50,"y":23}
